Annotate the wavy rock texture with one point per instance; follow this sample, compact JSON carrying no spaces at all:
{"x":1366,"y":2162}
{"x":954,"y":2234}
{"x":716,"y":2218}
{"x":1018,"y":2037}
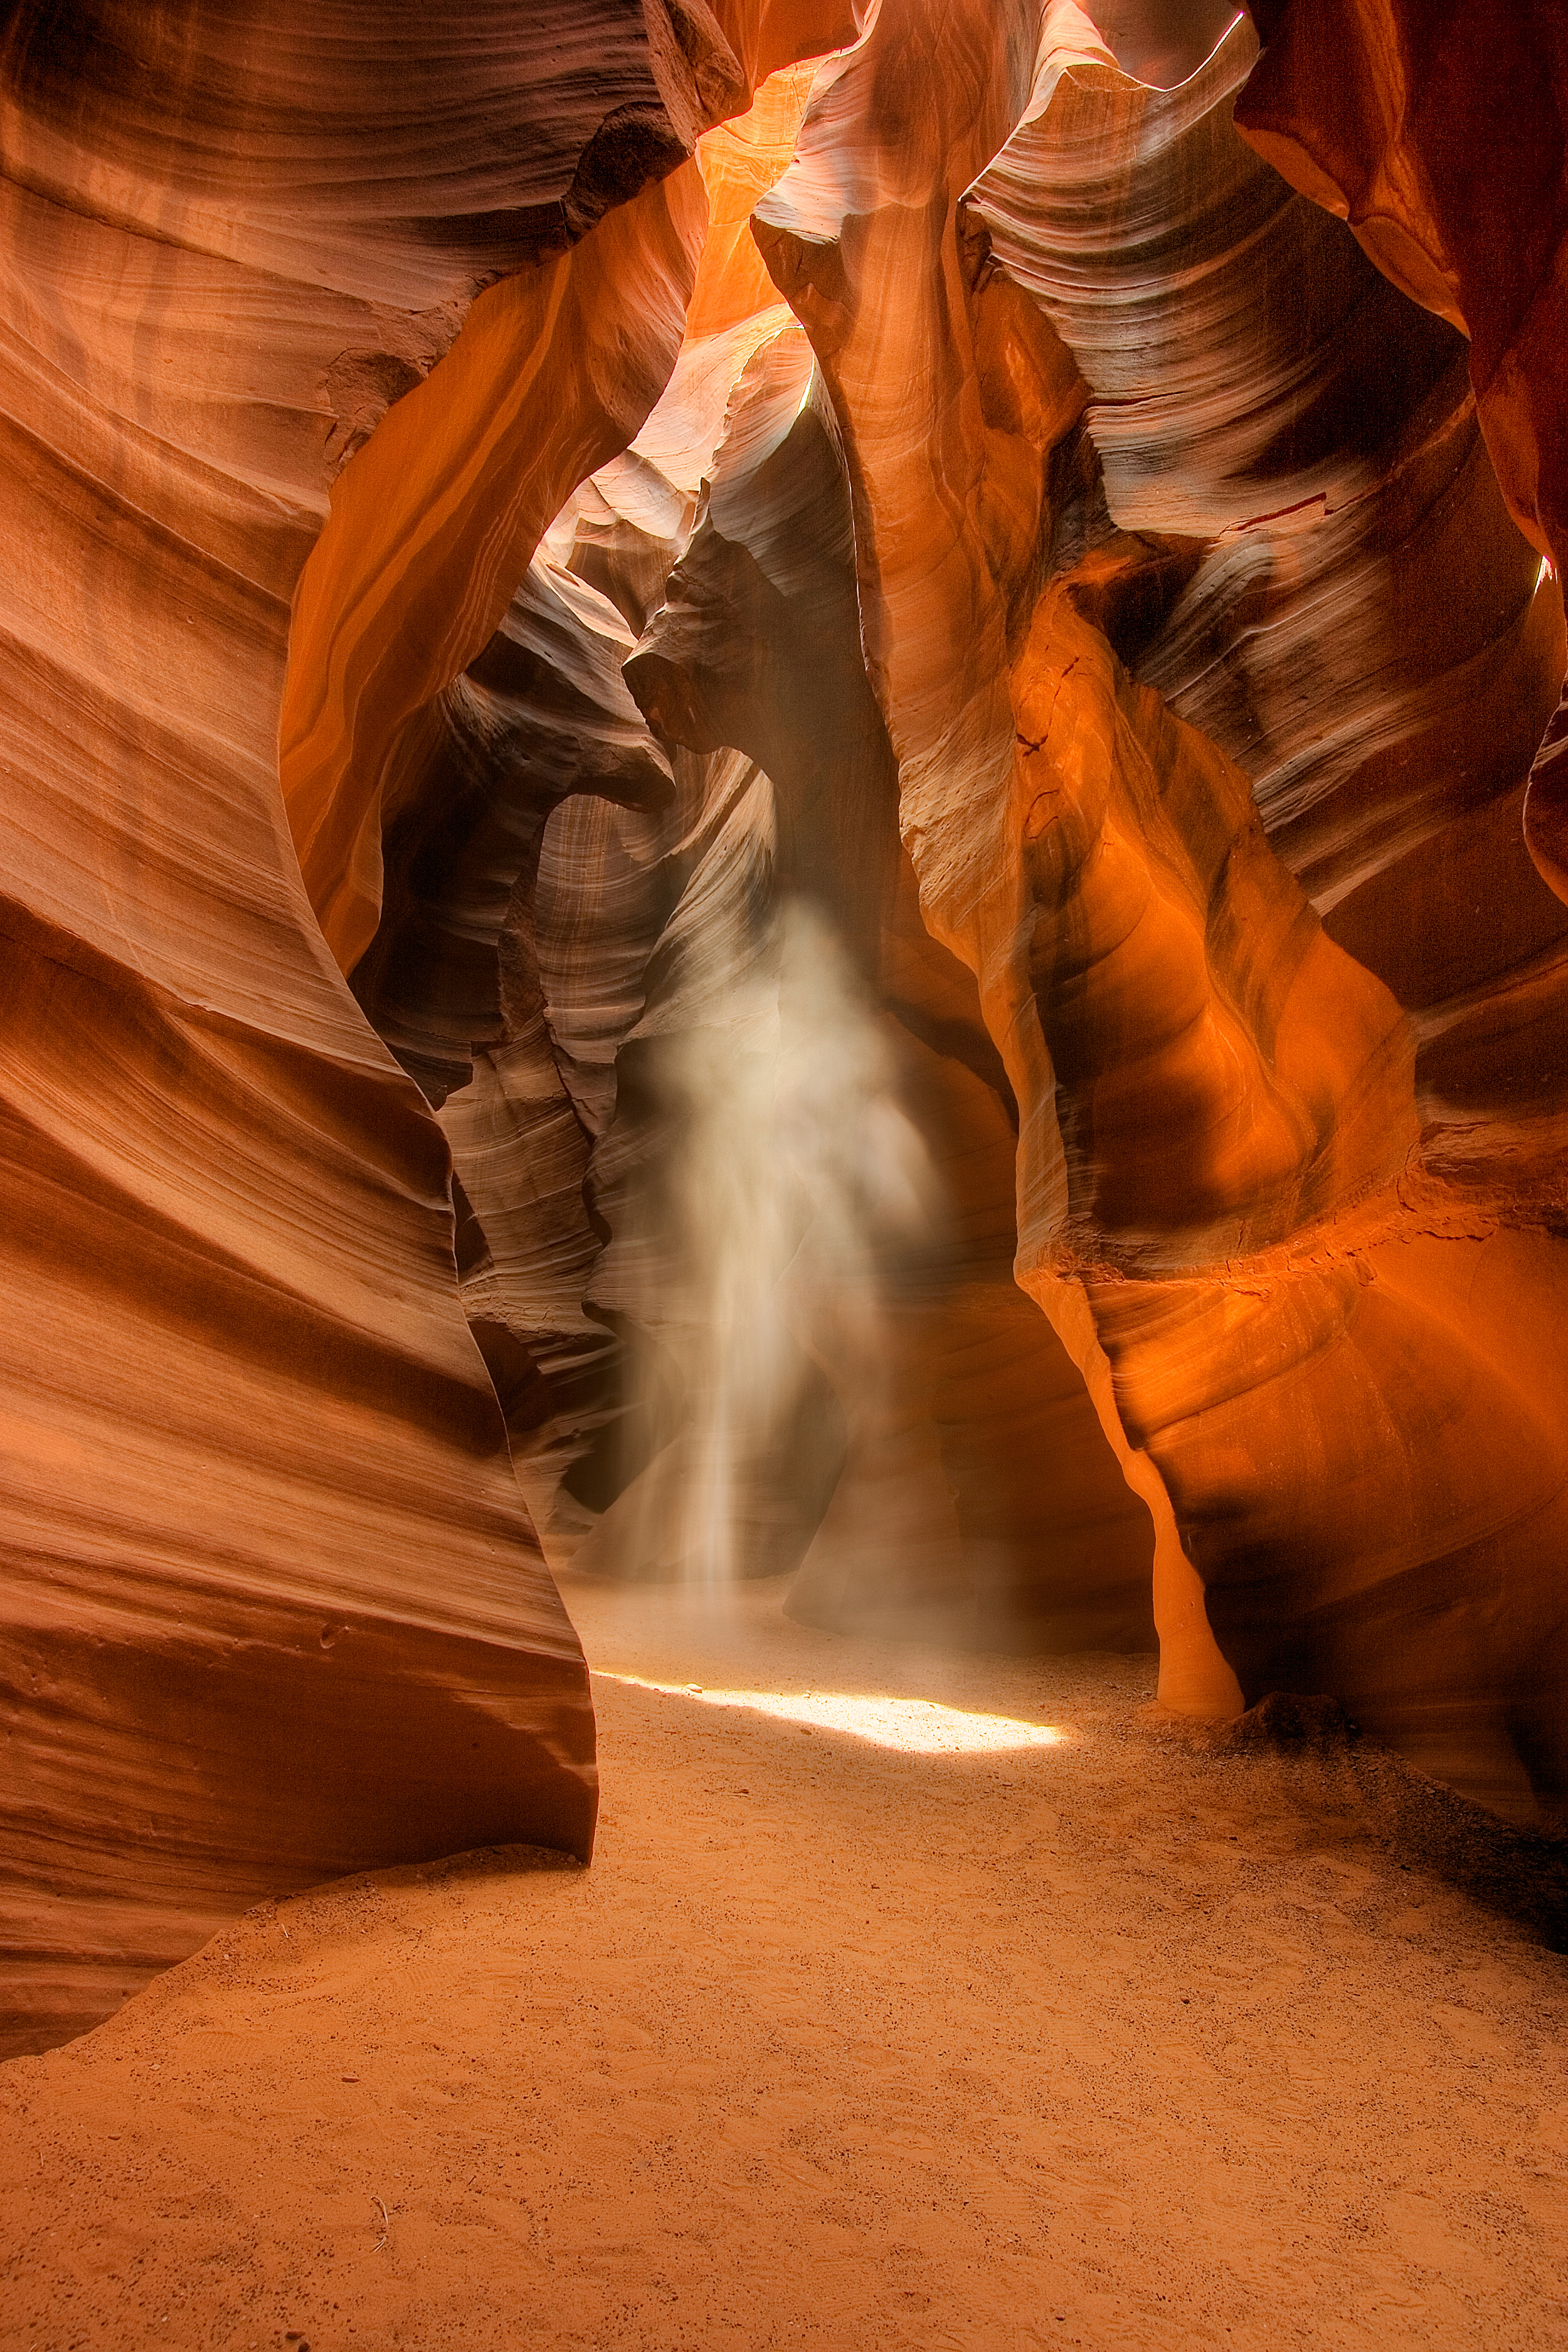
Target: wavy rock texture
{"x":273,"y":1609}
{"x":1440,"y":133}
{"x":947,"y":1383}
{"x":452,"y":978}
{"x":722,"y":1341}
{"x":1009,"y":799}
{"x":937,"y":528}
{"x":1160,"y":540}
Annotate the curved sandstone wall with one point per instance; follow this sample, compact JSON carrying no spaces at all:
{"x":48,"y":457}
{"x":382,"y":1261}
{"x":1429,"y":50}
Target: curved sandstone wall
{"x":652,"y":691}
{"x":273,"y":1607}
{"x":1187,"y":585}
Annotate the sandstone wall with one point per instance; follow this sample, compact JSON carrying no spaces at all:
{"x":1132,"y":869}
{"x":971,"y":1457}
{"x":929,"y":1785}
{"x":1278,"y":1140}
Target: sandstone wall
{"x":1184,"y":581}
{"x":898,"y":720}
{"x":273,"y":1609}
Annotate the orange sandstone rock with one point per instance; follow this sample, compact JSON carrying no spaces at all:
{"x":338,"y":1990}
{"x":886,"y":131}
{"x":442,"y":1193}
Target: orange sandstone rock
{"x":1008,"y":800}
{"x":1437,"y":133}
{"x":273,"y":1607}
{"x":1125,"y":444}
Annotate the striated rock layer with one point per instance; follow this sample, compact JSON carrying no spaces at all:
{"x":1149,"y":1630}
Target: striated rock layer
{"x":1440,"y":133}
{"x":1208,"y":666}
{"x":272,"y":1607}
{"x":738,"y":1148}
{"x":1159,"y":555}
{"x":899,"y":719}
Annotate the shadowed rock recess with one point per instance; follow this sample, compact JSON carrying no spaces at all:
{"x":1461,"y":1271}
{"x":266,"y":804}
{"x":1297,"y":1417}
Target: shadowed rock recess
{"x":787,"y":793}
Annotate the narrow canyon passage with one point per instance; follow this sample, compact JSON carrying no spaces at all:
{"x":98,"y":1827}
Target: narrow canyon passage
{"x":1099,"y":2039}
{"x":783,"y":1175}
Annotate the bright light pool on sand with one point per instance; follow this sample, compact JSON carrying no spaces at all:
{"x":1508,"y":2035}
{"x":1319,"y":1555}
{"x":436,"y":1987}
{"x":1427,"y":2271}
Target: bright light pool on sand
{"x":920,"y":1727}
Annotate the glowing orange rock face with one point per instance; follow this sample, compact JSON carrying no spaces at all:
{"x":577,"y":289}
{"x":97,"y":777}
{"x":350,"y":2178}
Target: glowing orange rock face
{"x":1438,"y":133}
{"x":739,"y":161}
{"x":908,"y":705}
{"x":665,"y":1036}
{"x":1238,"y":1144}
{"x":553,"y":373}
{"x":273,"y":1607}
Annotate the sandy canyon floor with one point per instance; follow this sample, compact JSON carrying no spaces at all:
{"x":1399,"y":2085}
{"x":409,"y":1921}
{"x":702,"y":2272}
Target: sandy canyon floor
{"x":927,"y":2004}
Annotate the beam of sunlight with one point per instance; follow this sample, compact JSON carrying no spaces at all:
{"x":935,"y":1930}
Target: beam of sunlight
{"x":919,"y":1726}
{"x":777,"y":1203}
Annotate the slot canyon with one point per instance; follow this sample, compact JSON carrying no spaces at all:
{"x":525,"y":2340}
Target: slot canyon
{"x":785,"y":982}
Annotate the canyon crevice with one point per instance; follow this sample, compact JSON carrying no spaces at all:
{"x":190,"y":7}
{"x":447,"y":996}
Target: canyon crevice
{"x":787,"y":794}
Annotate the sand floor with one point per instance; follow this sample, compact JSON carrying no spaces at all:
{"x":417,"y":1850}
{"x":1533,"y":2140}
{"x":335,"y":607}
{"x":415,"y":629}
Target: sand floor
{"x":1095,"y":2040}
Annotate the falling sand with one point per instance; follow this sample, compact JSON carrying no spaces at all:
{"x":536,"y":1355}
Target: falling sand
{"x":909,"y":2003}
